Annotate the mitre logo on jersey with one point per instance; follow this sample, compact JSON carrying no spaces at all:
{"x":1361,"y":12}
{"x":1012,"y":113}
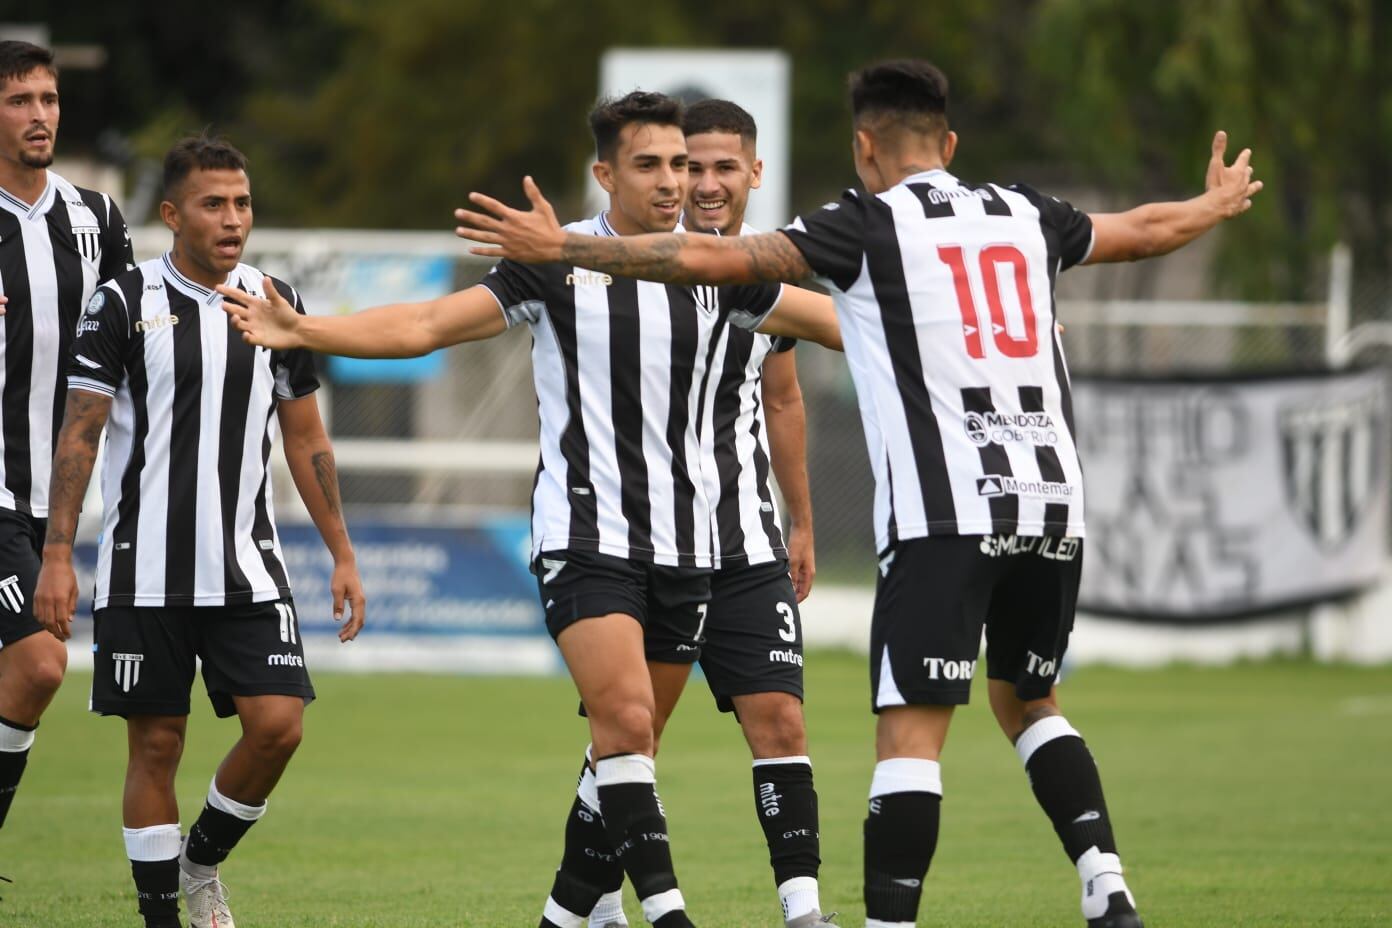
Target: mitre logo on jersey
{"x":588,"y":279}
{"x":157,"y":322}
{"x":1329,"y":460}
{"x":996,"y":428}
{"x":939,"y":195}
{"x":994,"y":485}
{"x":127,"y":670}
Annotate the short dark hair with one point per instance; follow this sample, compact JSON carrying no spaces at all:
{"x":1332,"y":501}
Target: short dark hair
{"x":610,"y":116}
{"x":720,"y":116}
{"x":19,"y":58}
{"x":908,"y":93}
{"x":202,"y":152}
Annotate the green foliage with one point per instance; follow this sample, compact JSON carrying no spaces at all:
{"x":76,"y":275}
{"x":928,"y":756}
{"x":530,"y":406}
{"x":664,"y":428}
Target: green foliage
{"x":1244,"y":796}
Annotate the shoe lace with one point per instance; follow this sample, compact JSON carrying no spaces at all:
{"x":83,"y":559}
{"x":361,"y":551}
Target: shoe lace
{"x":210,"y":896}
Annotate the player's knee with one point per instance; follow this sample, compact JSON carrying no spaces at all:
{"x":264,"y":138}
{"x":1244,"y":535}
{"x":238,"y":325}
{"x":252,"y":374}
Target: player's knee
{"x":778,"y":730}
{"x":46,"y":675}
{"x":156,"y":749}
{"x":627,"y":727}
{"x":277,"y":740}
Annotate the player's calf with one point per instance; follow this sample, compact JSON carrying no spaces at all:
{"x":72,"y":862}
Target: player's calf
{"x":637,"y":828}
{"x":901,"y":834}
{"x":590,"y":867}
{"x":1066,"y":784}
{"x":30,"y":674}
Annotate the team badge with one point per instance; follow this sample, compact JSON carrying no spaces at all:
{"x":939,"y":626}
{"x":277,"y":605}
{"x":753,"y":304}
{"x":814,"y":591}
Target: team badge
{"x":127,"y":670}
{"x":11,"y":596}
{"x":1329,"y":461}
{"x":97,"y":303}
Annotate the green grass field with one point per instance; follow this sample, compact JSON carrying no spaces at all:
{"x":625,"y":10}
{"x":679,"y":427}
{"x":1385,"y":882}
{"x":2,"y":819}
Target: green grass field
{"x":1255,"y":795}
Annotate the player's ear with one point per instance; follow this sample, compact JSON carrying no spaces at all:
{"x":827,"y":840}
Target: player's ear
{"x":949,"y":148}
{"x":169,"y":215}
{"x":756,"y":174}
{"x":604,"y":173}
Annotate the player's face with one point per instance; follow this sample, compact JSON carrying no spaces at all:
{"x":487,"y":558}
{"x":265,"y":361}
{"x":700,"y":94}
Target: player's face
{"x":722,"y":170}
{"x":646,"y":180}
{"x":29,"y":119}
{"x":211,"y":219}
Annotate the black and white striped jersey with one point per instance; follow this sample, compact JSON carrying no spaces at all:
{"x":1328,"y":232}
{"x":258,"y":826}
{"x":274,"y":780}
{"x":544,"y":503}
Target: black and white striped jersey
{"x":620,"y":368}
{"x":735,"y":455}
{"x":53,"y":254}
{"x":945,"y":295}
{"x":188,"y":515}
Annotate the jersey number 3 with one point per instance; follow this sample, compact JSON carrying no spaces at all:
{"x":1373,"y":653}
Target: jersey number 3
{"x":992,"y":260}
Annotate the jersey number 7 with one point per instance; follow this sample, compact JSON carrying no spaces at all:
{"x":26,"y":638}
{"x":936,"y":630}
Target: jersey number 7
{"x":991,"y":259}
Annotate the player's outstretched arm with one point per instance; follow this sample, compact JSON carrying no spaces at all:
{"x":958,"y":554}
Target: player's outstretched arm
{"x":1160,"y":228}
{"x":399,"y":330}
{"x":55,"y":593}
{"x":804,"y":315}
{"x":535,"y":237}
{"x":311,"y":459}
{"x":787,"y":438}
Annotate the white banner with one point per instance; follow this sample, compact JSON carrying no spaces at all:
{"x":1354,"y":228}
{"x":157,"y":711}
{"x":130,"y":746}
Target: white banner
{"x":1212,"y":500}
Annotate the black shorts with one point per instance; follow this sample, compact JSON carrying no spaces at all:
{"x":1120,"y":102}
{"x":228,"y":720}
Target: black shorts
{"x":753,"y":634}
{"x":669,"y":602}
{"x":144,"y":656}
{"x":21,"y":547}
{"x":935,"y":594}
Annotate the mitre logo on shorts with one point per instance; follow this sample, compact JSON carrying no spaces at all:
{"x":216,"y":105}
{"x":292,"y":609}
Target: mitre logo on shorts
{"x":11,"y":596}
{"x":995,"y":428}
{"x":785,"y":656}
{"x":940,"y":668}
{"x":994,"y":485}
{"x":284,"y":660}
{"x":127,"y":670}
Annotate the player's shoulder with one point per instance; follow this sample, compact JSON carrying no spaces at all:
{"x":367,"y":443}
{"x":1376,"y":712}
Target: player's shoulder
{"x":253,"y":280}
{"x":148,"y":273}
{"x":74,"y":196}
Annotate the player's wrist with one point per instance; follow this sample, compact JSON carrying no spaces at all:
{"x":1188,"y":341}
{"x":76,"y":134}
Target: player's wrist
{"x":57,"y":551}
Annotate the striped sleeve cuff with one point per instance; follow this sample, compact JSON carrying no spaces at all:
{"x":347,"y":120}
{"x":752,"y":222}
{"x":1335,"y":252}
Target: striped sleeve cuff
{"x":91,"y":386}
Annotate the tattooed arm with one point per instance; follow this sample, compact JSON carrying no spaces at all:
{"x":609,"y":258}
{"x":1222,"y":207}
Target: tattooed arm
{"x":55,"y":594}
{"x":535,"y":237}
{"x":311,"y":460}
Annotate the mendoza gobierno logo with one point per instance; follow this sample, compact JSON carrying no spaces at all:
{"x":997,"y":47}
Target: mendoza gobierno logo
{"x":1330,"y":457}
{"x":998,"y":428}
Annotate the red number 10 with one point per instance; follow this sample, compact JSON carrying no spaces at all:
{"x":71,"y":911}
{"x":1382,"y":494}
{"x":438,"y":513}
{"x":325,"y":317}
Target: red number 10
{"x":992,"y":257}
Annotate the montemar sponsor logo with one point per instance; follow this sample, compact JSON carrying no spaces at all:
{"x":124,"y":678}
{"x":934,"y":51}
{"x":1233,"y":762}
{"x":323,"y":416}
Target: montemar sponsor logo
{"x":786,"y":656}
{"x":1046,"y":546}
{"x":996,"y":428}
{"x":993,"y":485}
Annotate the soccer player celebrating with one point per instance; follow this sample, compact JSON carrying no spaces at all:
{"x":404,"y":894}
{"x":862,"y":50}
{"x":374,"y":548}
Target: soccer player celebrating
{"x":57,"y":242}
{"x":753,"y":422}
{"x":945,"y":294}
{"x":190,"y":564}
{"x":621,"y":541}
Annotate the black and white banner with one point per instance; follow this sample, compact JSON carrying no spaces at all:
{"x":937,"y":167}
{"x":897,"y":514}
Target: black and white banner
{"x":1214,"y":500}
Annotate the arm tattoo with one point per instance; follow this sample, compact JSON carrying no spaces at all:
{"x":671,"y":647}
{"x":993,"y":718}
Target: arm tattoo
{"x":83,"y":421}
{"x":769,"y":257}
{"x":327,"y":477}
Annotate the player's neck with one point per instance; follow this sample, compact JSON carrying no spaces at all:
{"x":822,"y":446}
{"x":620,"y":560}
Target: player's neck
{"x":911,"y":166}
{"x":23,"y":182}
{"x":193,"y":271}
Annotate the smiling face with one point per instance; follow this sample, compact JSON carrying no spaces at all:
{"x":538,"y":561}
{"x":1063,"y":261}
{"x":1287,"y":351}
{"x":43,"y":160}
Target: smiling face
{"x":723,"y":170}
{"x":646,"y":179}
{"x":209,"y":213}
{"x":29,"y":120}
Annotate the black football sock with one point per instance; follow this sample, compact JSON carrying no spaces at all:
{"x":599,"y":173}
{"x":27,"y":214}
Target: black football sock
{"x":786,"y":803}
{"x":220,"y":826}
{"x":15,"y":741}
{"x":901,"y":834}
{"x":589,"y":867}
{"x":154,"y":857}
{"x":637,"y":828}
{"x":1066,"y":784}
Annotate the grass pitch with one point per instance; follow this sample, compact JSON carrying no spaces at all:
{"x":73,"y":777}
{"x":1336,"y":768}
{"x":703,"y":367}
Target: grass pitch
{"x":1254,"y":795}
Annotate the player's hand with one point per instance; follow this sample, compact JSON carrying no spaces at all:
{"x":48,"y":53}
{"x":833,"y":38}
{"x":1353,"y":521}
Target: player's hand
{"x":3,"y":300}
{"x":347,"y":586}
{"x":531,"y":236}
{"x":55,"y":596}
{"x":268,"y":321}
{"x":802,"y":560}
{"x":1230,"y":185}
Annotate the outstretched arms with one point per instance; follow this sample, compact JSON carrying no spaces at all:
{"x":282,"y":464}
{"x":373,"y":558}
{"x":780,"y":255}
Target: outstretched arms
{"x":55,"y":593}
{"x":804,"y":314}
{"x":1159,"y":228}
{"x":399,"y":330}
{"x":535,"y":237}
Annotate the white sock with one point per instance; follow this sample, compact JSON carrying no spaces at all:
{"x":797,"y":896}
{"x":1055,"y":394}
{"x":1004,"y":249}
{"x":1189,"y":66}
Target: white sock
{"x":154,"y":843}
{"x":609,"y":910}
{"x":1101,"y":876}
{"x":15,"y":740}
{"x":232,"y":807}
{"x":876,"y":923}
{"x":799,"y":897}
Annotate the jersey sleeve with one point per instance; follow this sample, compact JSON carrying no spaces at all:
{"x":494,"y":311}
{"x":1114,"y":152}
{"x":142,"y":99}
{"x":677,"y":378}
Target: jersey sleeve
{"x":1067,"y":228}
{"x":782,"y":343}
{"x":832,"y":239}
{"x":117,"y":254}
{"x":748,"y":305}
{"x":294,"y":369}
{"x":97,"y":363}
{"x":519,"y":289}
